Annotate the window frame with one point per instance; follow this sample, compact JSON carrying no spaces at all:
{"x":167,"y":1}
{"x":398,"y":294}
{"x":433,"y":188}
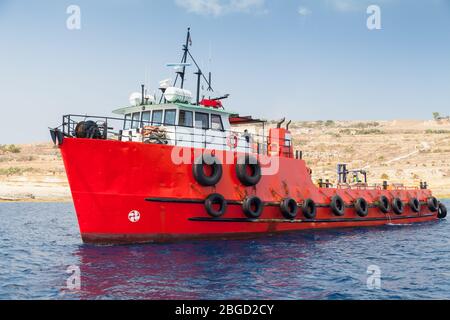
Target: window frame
{"x":149,"y":122}
{"x":158,"y":124}
{"x":207,"y":120}
{"x":174,"y":119}
{"x":127,"y":121}
{"x":221,"y":122}
{"x":192,"y":118}
{"x":138,"y":120}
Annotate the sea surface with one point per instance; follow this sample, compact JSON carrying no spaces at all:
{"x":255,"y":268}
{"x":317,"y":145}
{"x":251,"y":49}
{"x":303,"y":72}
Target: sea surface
{"x":41,"y":253}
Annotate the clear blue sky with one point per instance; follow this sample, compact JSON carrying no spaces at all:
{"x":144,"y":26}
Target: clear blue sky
{"x":304,"y":59}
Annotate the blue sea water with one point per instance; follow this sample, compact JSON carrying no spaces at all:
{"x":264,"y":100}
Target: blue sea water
{"x":40,"y":241}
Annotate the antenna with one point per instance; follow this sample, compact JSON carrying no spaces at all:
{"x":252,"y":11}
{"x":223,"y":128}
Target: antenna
{"x":199,"y":74}
{"x":210,"y":67}
{"x":209,"y":82}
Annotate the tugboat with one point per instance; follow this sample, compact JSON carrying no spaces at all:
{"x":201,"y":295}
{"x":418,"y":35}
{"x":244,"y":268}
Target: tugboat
{"x":169,"y":168}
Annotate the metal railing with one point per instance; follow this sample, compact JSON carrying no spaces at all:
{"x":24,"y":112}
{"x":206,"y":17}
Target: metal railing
{"x":110,"y":128}
{"x":375,"y":186}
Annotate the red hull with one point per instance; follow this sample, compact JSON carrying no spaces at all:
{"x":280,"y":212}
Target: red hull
{"x":110,"y":179}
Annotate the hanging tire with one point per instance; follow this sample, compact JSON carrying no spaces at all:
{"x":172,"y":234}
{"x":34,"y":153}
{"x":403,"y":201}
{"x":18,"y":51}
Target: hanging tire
{"x":433,"y":204}
{"x":362,"y":207}
{"x":309,"y":209}
{"x":337,"y":206}
{"x":214,"y":200}
{"x":213,"y":165}
{"x":248,"y":170}
{"x":384,"y":205}
{"x":442,"y":212}
{"x":289,"y":208}
{"x":398,"y":206}
{"x":414,"y":204}
{"x":253,"y":207}
{"x":87,"y":130}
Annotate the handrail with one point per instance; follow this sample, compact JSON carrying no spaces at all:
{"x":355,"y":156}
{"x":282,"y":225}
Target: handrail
{"x":248,"y":140}
{"x":375,"y":186}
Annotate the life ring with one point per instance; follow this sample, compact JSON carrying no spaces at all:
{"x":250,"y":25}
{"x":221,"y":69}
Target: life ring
{"x":383,"y":204}
{"x":397,"y":206}
{"x":213,"y":200}
{"x":253,"y":207}
{"x":433,"y":204}
{"x":213,"y":165}
{"x":289,"y":208}
{"x":309,"y":209}
{"x":232,"y":141}
{"x":249,"y":177}
{"x":337,"y":205}
{"x":442,"y":212}
{"x":362,"y":207}
{"x":414,"y":205}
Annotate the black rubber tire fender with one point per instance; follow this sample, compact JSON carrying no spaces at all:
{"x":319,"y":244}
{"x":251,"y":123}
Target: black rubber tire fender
{"x":253,"y":207}
{"x":289,"y":208}
{"x":309,"y":209}
{"x":384,"y":205}
{"x":87,"y":130}
{"x":433,"y":204}
{"x":414,"y":204}
{"x":211,"y":201}
{"x":362,"y":207}
{"x":442,"y":212}
{"x":337,"y":205}
{"x":199,"y":174}
{"x":398,"y":206}
{"x":242,"y":163}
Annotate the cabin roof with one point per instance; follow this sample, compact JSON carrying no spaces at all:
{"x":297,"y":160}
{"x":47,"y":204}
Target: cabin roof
{"x":131,"y":109}
{"x":237,"y":119}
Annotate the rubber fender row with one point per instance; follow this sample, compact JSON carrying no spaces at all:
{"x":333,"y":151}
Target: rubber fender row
{"x":385,"y":206}
{"x":252,"y":206}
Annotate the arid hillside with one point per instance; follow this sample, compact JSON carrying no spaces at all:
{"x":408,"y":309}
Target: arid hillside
{"x":32,"y":172}
{"x":398,"y":151}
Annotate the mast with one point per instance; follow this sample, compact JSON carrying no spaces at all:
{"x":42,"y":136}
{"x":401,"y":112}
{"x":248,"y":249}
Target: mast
{"x":184,"y":60}
{"x":182,"y":72}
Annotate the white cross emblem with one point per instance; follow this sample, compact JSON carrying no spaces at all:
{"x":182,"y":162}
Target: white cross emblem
{"x":134,"y":216}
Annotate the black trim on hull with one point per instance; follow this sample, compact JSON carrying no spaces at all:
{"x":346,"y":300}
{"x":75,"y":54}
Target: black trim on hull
{"x":202,"y":219}
{"x":236,"y":202}
{"x":232,"y":202}
{"x":194,"y":201}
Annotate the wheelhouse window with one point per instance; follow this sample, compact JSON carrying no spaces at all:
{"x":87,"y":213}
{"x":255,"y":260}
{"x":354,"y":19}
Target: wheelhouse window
{"x":146,"y":118}
{"x":169,"y":117}
{"x":136,"y":120}
{"x":157,"y":117}
{"x":201,"y":120}
{"x":185,"y":118}
{"x":127,"y":122}
{"x":216,"y":122}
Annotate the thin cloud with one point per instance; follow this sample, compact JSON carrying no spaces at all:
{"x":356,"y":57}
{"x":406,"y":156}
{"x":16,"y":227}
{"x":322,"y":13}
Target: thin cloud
{"x":222,"y":7}
{"x":304,"y":11}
